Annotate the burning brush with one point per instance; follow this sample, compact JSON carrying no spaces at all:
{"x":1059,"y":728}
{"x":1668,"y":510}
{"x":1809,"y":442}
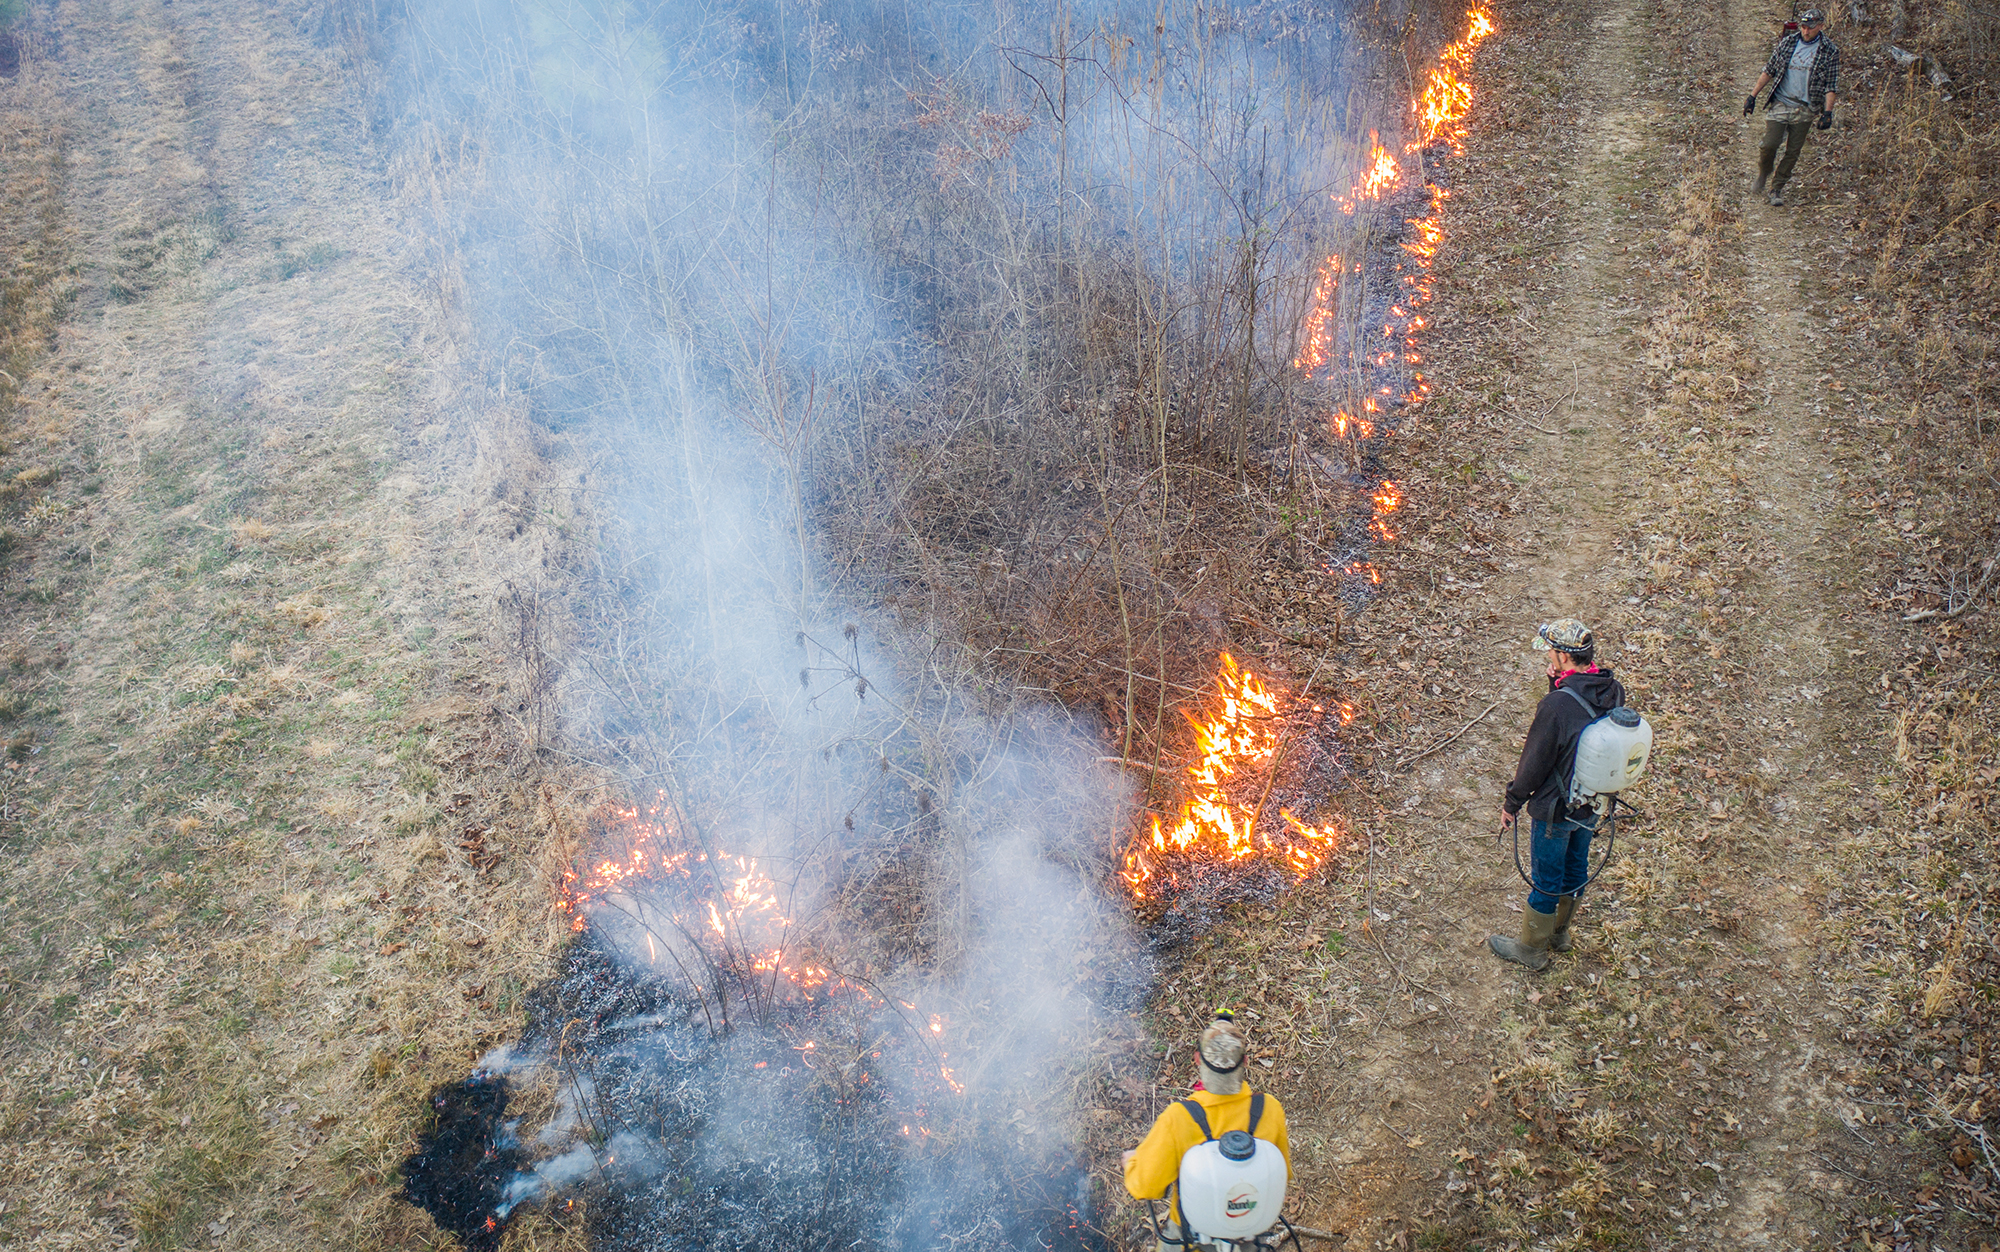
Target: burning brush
{"x":1245,"y":732}
{"x":1243,"y":739}
{"x":704,"y":1072}
{"x":1367,"y":351}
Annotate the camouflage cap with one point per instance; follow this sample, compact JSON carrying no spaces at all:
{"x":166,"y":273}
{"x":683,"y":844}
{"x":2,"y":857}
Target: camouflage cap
{"x":1221,"y":1056}
{"x":1812,"y":17}
{"x":1566,"y":635}
{"x":1223,"y":1044}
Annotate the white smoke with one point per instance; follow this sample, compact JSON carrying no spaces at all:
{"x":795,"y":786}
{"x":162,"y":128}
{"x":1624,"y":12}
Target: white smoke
{"x":650,"y":258}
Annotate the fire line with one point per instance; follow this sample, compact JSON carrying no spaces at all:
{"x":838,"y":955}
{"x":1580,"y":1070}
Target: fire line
{"x":1439,"y":107}
{"x":1237,"y":741}
{"x":1237,"y":736}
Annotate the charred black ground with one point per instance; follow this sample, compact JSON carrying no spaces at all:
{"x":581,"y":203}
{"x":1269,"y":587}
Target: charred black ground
{"x":464,"y":1161}
{"x":785,"y":1133}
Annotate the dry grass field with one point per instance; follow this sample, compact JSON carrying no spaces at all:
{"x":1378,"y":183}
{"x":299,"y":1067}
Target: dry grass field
{"x":278,"y":852}
{"x":286,"y":568}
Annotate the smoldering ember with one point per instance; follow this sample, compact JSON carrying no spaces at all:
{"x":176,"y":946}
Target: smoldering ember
{"x":779,"y":625}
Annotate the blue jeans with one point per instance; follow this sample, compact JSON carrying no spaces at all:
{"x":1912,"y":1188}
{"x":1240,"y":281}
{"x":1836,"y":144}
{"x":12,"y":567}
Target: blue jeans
{"x":1558,"y":860}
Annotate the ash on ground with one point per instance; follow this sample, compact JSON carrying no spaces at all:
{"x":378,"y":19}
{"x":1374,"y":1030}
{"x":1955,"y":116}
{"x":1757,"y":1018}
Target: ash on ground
{"x":800,"y":1129}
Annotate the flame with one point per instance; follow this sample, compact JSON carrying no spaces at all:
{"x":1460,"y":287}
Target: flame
{"x":1381,"y":175}
{"x":722,"y":903}
{"x":1444,"y":101}
{"x":1318,"y":349}
{"x":1237,"y":742}
{"x":1447,"y":97}
{"x":722,"y":914}
{"x":1387,"y":500}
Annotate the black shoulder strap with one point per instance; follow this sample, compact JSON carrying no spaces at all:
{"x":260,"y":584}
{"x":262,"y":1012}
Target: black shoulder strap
{"x":1180,"y":1215}
{"x":1200,"y":1118}
{"x":1569,"y":771}
{"x":1256,"y":1110}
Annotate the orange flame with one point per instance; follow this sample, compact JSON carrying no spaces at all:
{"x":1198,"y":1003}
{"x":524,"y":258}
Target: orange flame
{"x":1318,"y":349}
{"x":1447,"y":97}
{"x":1237,"y":741}
{"x":1444,"y":101}
{"x":1381,"y":174}
{"x":722,"y":902}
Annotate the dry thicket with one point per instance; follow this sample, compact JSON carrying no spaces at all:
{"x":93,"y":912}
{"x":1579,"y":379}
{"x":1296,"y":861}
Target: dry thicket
{"x":1003,"y":355}
{"x":1007,"y":349}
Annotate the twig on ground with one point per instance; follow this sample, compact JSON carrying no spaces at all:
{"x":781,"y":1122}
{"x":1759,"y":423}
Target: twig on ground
{"x":1971,"y":597}
{"x":1411,"y":760}
{"x":1978,"y":1134}
{"x":1831,"y":1164}
{"x":1576,"y":384}
{"x":1144,"y":677}
{"x":1119,"y":760}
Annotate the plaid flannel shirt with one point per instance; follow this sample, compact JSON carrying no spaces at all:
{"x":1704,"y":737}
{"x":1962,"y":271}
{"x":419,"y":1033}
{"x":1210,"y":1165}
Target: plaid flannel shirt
{"x":1822,"y":78}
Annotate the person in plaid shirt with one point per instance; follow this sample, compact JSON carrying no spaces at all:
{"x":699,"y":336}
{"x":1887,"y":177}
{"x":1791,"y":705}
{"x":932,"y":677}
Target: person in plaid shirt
{"x":1806,"y":68}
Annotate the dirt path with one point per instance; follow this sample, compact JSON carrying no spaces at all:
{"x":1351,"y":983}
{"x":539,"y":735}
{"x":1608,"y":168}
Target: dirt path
{"x":1674,"y":1079}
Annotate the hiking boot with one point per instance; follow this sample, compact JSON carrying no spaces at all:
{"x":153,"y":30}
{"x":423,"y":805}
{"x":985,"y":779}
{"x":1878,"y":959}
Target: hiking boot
{"x":1532,"y":948}
{"x":1763,"y":177}
{"x":1777,"y":198}
{"x":1565,"y":909}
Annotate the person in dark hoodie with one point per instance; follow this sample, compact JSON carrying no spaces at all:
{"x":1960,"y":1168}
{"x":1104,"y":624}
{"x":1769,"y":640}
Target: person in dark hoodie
{"x":1559,"y":843}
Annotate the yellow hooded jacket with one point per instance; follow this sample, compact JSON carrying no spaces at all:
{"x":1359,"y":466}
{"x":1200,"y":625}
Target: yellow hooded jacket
{"x":1157,"y":1164}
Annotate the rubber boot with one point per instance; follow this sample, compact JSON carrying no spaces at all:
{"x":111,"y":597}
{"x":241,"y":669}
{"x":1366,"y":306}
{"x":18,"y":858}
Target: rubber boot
{"x":1565,"y":909}
{"x":1532,"y":948}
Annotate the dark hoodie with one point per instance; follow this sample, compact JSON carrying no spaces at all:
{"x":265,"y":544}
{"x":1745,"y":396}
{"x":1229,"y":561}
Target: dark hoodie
{"x":1542,"y":781}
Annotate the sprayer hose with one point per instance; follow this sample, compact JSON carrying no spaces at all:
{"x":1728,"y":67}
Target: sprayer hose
{"x":1610,"y":828}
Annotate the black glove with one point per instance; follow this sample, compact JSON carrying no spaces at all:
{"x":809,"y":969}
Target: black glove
{"x":1826,"y":119}
{"x":1749,"y":105}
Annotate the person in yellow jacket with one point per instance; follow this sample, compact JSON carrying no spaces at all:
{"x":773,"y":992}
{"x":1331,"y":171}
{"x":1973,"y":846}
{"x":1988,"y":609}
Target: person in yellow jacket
{"x":1152,"y":1168}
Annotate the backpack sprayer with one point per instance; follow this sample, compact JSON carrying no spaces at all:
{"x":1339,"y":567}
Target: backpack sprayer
{"x":1611,"y":755}
{"x":1230,"y":1189}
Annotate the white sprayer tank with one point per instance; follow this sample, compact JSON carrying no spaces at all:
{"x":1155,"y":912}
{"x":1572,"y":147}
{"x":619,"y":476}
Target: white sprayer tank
{"x":1611,"y":755}
{"x":1232,"y":1187}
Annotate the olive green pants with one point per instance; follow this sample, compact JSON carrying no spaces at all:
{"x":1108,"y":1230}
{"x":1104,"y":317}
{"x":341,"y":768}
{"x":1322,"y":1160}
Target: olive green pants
{"x":1790,"y":134}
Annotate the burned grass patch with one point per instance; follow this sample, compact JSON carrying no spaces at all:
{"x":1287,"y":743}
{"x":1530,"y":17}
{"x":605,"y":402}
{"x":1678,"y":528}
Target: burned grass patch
{"x":796,"y":1126}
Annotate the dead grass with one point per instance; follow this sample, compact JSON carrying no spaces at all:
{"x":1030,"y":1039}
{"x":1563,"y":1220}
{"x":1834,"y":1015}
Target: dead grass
{"x":243,"y":705}
{"x":255,"y":695}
